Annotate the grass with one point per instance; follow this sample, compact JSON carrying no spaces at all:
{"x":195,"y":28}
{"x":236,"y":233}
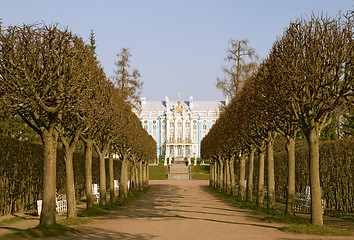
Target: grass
{"x":158,"y":172}
{"x":10,"y":220}
{"x":336,"y":214}
{"x":44,"y":231}
{"x":270,"y":215}
{"x":276,"y":215}
{"x":316,"y":230}
{"x":161,"y":172}
{"x":200,"y":172}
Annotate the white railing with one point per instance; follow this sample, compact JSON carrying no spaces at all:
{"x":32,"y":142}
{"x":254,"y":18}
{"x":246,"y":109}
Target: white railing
{"x":61,"y":204}
{"x":303,"y":201}
{"x":61,"y":207}
{"x":95,"y":192}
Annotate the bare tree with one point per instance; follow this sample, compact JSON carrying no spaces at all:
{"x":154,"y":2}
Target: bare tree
{"x":315,"y":61}
{"x":128,"y":83}
{"x":40,"y":69}
{"x":242,"y":63}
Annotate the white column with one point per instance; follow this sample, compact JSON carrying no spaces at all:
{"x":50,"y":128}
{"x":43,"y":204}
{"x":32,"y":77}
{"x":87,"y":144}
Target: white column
{"x":191,"y":128}
{"x":195,"y":160}
{"x":167,"y":153}
{"x":189,"y":157}
{"x":167,"y":129}
{"x":175,"y":130}
{"x":182,"y":129}
{"x":184,"y":151}
{"x":170,"y":156}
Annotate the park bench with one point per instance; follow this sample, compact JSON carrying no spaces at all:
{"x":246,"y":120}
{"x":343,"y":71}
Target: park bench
{"x":61,"y":204}
{"x":303,"y":201}
{"x":95,"y":192}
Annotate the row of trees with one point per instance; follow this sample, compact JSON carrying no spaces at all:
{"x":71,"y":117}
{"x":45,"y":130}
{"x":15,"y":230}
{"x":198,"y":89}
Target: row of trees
{"x":51,"y":79}
{"x":308,"y":74}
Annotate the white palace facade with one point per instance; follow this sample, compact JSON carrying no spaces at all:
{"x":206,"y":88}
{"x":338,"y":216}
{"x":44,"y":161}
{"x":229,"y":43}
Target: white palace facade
{"x":178,"y":126}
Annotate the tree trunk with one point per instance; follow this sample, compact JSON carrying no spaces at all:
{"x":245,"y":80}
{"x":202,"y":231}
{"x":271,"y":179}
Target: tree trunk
{"x":227,"y":177}
{"x":136,"y":175}
{"x":290,"y":200}
{"x":250,"y":173}
{"x":232,"y":175}
{"x":112,"y":195}
{"x":260,"y":189}
{"x":103,"y":186}
{"x":144,"y":174}
{"x":270,"y":170}
{"x":88,"y":173}
{"x":211,"y":178}
{"x":215,"y":174}
{"x":132,"y":177}
{"x":140,"y":184}
{"x":313,"y":141}
{"x":221,"y":174}
{"x":123,"y":188}
{"x":70,"y":185}
{"x":241,"y":192}
{"x":49,"y":177}
{"x":147,"y":174}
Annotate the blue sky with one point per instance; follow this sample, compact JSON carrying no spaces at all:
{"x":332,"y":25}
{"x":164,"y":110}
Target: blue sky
{"x":175,"y":44}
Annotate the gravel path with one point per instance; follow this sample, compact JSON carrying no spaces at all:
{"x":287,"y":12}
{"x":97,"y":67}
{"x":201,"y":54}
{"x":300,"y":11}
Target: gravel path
{"x":182,"y":210}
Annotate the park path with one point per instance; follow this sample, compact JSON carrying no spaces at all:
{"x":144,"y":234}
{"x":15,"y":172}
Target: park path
{"x":182,"y":210}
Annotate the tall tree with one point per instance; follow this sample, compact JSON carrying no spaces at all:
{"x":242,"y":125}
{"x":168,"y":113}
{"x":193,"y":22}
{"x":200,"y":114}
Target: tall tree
{"x":242,"y":62}
{"x":92,"y":44}
{"x":40,"y":69}
{"x":127,"y":82}
{"x":315,"y":61}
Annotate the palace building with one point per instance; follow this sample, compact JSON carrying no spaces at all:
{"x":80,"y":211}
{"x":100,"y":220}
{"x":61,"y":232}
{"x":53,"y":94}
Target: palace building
{"x":178,"y":126}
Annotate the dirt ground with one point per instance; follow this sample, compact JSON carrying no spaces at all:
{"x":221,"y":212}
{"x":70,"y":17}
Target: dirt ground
{"x":178,"y":210}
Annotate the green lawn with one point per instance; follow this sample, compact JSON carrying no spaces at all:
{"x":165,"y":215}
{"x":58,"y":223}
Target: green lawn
{"x":200,"y":172}
{"x":158,"y":172}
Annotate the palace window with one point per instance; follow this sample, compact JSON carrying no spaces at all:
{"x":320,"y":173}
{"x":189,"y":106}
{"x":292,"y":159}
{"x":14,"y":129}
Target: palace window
{"x":154,"y":125}
{"x":179,"y":124}
{"x":146,"y":127}
{"x":179,"y":150}
{"x":179,"y":136}
{"x":194,"y":125}
{"x":163,"y":136}
{"x":164,"y":125}
{"x":187,"y":124}
{"x":204,"y":127}
{"x":194,"y":137}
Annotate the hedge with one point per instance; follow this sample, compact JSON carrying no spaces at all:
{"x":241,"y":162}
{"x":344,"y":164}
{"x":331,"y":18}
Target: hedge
{"x":21,"y":174}
{"x":336,"y":173}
